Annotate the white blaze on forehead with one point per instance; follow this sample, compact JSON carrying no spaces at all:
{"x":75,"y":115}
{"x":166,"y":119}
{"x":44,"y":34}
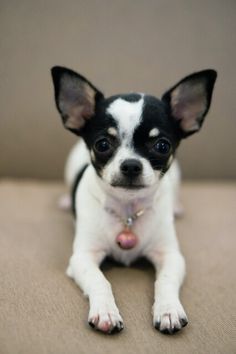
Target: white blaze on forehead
{"x":153,"y":133}
{"x":127,"y":115}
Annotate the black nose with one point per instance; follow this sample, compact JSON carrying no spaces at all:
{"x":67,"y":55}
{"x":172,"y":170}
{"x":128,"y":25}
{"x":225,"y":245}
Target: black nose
{"x":131,"y":168}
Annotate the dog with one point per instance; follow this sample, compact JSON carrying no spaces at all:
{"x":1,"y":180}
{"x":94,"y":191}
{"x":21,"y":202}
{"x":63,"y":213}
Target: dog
{"x":125,"y":180}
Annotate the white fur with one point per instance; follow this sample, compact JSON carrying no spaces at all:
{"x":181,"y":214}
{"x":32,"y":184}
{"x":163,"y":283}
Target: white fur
{"x":128,"y":116}
{"x":96,"y":231}
{"x":78,"y":157}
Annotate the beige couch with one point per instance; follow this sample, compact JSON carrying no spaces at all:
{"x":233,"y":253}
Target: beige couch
{"x":43,"y":311}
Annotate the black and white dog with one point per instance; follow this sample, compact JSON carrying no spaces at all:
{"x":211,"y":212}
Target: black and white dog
{"x":128,"y":186}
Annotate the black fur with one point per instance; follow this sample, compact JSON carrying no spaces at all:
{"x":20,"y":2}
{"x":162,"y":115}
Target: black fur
{"x":155,"y":115}
{"x":98,"y":125}
{"x":75,"y":186}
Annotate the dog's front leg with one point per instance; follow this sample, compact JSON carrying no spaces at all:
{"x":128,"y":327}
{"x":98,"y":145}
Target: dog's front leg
{"x":84,"y":269}
{"x":168,"y":313}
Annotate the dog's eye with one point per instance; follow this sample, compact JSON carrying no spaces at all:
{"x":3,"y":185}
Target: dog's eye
{"x":103,"y":146}
{"x":162,"y":147}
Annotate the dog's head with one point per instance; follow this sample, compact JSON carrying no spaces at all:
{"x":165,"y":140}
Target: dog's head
{"x":132,"y":138}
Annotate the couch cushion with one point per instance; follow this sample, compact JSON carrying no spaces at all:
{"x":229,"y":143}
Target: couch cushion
{"x":43,"y":311}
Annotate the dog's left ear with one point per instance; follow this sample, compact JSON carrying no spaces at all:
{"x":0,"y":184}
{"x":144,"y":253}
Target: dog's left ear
{"x":75,"y":96}
{"x":189,"y":100}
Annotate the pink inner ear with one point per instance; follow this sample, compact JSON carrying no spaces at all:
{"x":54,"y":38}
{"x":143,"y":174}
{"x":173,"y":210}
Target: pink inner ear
{"x":188,"y":103}
{"x":78,"y":103}
{"x":78,"y":115}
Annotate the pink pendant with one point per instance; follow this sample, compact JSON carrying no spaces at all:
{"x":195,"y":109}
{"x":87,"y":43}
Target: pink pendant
{"x":126,"y":239}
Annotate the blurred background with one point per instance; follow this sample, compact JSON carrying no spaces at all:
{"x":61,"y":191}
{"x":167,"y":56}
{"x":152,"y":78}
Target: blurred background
{"x":121,"y":46}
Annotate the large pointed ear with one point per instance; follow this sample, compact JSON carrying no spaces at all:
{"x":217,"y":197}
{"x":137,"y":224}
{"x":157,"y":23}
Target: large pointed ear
{"x":189,"y":100}
{"x":75,"y":97}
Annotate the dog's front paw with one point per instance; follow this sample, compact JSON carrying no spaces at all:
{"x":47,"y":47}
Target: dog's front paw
{"x":169,"y":317}
{"x":106,"y":318}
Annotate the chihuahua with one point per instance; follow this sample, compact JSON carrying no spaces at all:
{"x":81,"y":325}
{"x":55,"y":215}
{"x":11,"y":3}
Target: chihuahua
{"x":125,"y":179}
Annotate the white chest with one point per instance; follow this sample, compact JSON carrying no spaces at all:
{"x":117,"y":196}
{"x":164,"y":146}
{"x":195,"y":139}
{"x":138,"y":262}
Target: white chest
{"x":97,"y":227}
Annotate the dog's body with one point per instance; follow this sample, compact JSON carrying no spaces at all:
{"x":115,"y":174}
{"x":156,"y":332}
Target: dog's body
{"x":127,"y":195}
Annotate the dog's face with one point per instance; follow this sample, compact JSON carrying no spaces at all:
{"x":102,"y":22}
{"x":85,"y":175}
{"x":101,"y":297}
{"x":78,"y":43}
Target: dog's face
{"x":132,"y":138}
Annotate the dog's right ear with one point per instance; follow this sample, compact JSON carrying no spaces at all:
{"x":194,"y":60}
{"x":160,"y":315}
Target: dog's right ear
{"x":75,"y":97}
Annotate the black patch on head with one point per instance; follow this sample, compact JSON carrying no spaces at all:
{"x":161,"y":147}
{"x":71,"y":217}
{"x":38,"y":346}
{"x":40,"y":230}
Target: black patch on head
{"x":96,"y":129}
{"x":129,"y":97}
{"x":156,"y":115}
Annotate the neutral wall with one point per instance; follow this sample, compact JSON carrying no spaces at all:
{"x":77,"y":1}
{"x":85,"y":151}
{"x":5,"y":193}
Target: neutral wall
{"x":122,"y":46}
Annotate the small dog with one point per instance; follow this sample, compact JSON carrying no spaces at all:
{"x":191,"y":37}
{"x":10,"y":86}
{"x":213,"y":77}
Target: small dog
{"x":125,"y":186}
